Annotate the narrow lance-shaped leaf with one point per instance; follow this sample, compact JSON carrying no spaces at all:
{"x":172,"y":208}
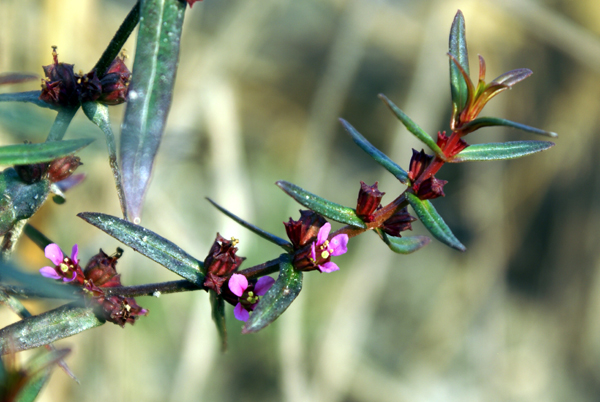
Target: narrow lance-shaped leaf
{"x":27,"y":97}
{"x":322,"y":206}
{"x":24,"y":154}
{"x":286,"y":245}
{"x":495,"y":121}
{"x":217,"y":304}
{"x":434,"y":222}
{"x":502,"y":150}
{"x":150,"y":94}
{"x":277,"y":299}
{"x":403,"y":245}
{"x":458,"y":48}
{"x":98,"y":114}
{"x":38,"y":371}
{"x":376,"y":154}
{"x":46,"y":328}
{"x":413,"y":127}
{"x":16,"y":78}
{"x":150,"y":244}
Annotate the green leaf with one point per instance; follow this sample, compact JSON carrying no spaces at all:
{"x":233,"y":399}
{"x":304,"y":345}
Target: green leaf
{"x":502,"y":150}
{"x":495,"y":121}
{"x":19,"y":200}
{"x":403,"y":245}
{"x":37,"y":237}
{"x":38,"y":370}
{"x":117,"y":42}
{"x":33,"y":284}
{"x":48,"y":327}
{"x":433,"y":221}
{"x":98,"y":114}
{"x":376,"y":154}
{"x":217,"y":304}
{"x":321,"y":206}
{"x":150,"y":94}
{"x":286,"y":245}
{"x":25,"y":154}
{"x":413,"y":127}
{"x":277,"y":299}
{"x":458,"y":48}
{"x":27,"y":97}
{"x":150,"y":244}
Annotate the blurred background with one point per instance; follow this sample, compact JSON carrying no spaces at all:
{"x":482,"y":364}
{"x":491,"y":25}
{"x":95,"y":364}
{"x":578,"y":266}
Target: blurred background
{"x":260,"y":88}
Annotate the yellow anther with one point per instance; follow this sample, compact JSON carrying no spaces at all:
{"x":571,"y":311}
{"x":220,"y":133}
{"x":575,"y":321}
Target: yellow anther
{"x":234,"y":241}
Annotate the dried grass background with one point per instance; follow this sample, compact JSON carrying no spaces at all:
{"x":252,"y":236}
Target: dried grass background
{"x":259,"y":89}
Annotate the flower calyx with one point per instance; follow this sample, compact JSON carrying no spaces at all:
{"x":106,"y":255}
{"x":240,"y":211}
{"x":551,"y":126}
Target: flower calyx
{"x":425,"y":185}
{"x":220,"y":262}
{"x":304,"y":230}
{"x":399,"y":222}
{"x":369,"y":200}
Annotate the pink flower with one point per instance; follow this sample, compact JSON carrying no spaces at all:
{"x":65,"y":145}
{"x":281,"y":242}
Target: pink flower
{"x":322,"y":250}
{"x":247,"y":293}
{"x":65,"y":268}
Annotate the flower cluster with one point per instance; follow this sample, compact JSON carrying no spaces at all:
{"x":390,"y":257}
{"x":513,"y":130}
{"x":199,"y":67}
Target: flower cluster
{"x":63,"y":87}
{"x":318,"y":255}
{"x":100,"y":273}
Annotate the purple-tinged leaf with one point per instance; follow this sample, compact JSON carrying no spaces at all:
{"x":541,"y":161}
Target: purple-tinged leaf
{"x":16,"y":78}
{"x":457,"y":47}
{"x":322,"y":206}
{"x":150,"y":94}
{"x":413,"y":127}
{"x":434,"y":222}
{"x":495,"y":121}
{"x":512,"y":77}
{"x":502,"y":150}
{"x":278,"y":298}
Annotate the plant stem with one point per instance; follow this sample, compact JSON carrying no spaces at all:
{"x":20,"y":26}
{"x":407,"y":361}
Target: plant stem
{"x":152,"y":289}
{"x":117,"y":42}
{"x":37,"y":237}
{"x":61,"y":123}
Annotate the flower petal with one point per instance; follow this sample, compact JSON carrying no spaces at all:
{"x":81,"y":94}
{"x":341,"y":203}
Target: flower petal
{"x":74,"y":254}
{"x":49,"y":272}
{"x":72,"y":278}
{"x":238,"y":284}
{"x":240,"y":312}
{"x":328,"y":267}
{"x":313,"y":253}
{"x":339,"y":244}
{"x":54,"y":253}
{"x":263,"y":285}
{"x":323,"y":233}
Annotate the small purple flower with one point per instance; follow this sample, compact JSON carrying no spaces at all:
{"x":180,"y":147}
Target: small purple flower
{"x":65,"y":268}
{"x":247,"y":293}
{"x":322,"y":250}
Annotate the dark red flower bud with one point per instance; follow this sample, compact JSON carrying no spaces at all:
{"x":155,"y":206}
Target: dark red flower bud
{"x":220,"y":262}
{"x":369,"y":199}
{"x":431,"y":188}
{"x":450,"y":151}
{"x":31,"y":173}
{"x":418,"y":163}
{"x":398,"y":222}
{"x":101,"y":269}
{"x":115,"y":83}
{"x":63,"y":167}
{"x":191,"y":2}
{"x":60,"y":86}
{"x":90,"y":87}
{"x":305,"y":229}
{"x":121,"y":310}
